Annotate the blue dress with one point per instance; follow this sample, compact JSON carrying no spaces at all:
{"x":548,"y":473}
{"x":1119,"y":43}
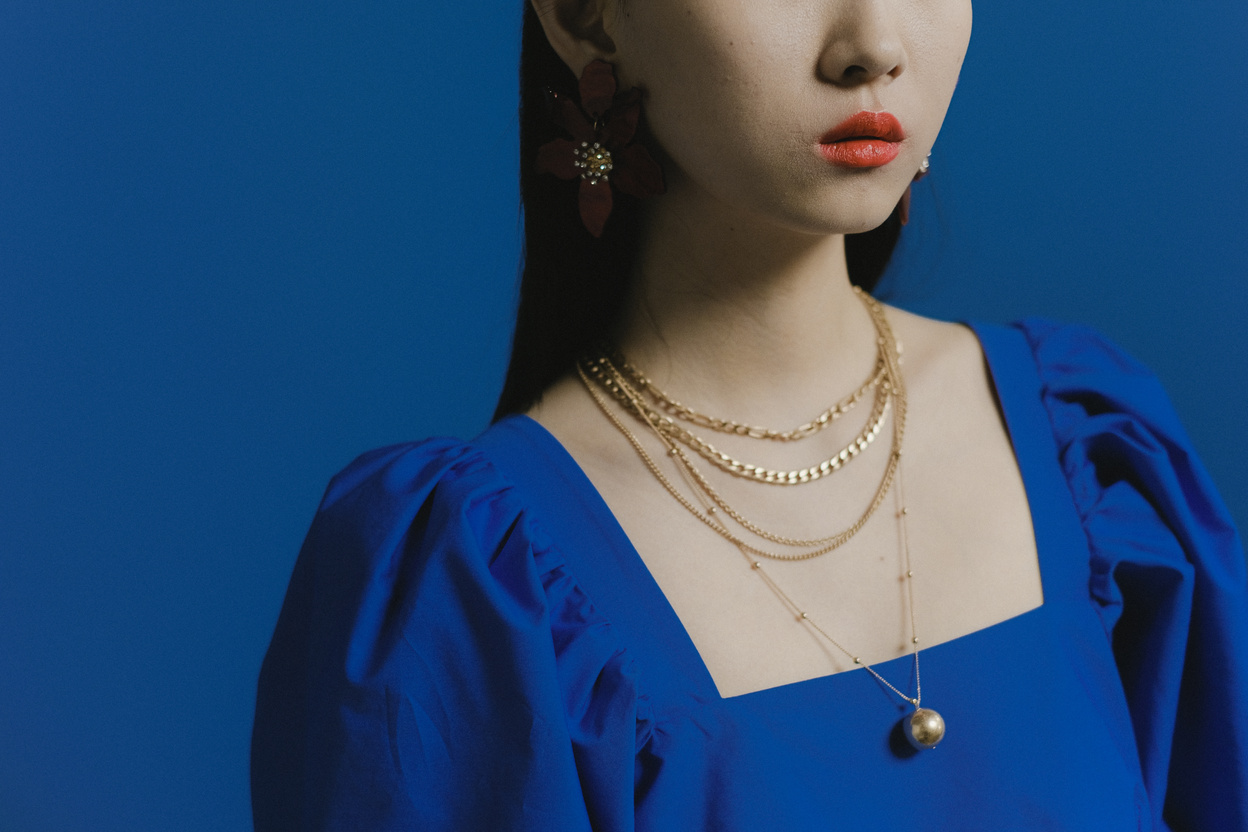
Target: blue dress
{"x":470,"y":642}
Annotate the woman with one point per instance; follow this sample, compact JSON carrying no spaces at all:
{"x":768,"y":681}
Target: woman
{"x":768,"y":608}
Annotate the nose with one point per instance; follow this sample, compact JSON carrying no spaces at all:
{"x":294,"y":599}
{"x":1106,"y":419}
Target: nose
{"x":864,"y":43}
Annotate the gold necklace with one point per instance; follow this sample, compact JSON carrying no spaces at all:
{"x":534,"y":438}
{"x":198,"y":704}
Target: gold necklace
{"x":722,"y":505}
{"x":923,"y":728}
{"x":832,"y":541}
{"x":891,"y":383}
{"x":688,"y":414}
{"x":612,"y":379}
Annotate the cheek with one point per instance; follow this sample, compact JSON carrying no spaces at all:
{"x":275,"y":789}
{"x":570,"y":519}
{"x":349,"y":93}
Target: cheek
{"x":734,"y":101}
{"x":941,"y":33}
{"x":720,"y":87}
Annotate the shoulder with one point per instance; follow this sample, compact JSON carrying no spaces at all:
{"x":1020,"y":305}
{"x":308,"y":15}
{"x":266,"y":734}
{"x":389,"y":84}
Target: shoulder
{"x":408,"y":529}
{"x":448,"y":485}
{"x":416,"y":549}
{"x":1123,"y":449}
{"x":1152,"y":513}
{"x":434,"y":662}
{"x":1104,"y":403}
{"x":1081,"y":371}
{"x":1062,"y":353}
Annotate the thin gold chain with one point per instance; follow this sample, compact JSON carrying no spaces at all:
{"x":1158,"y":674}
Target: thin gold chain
{"x":611,"y":378}
{"x":803,"y":616}
{"x":688,"y":414}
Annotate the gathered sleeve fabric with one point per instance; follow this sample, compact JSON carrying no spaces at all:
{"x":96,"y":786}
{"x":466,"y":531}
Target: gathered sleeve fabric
{"x":1167,"y":573}
{"x":435,"y":666}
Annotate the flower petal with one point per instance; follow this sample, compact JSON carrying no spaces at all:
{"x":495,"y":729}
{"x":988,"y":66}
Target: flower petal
{"x":636,"y":173}
{"x":597,"y":87}
{"x":595,"y":204}
{"x":558,"y":157}
{"x":569,"y":116}
{"x":622,"y":120}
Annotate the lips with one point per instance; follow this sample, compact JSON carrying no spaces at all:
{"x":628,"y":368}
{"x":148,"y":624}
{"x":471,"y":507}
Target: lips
{"x":864,"y":140}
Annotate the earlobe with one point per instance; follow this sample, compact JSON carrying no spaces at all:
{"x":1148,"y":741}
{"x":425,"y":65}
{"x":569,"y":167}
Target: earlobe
{"x":576,"y":30}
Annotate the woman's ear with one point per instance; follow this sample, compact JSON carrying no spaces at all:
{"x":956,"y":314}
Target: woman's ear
{"x":577,"y":30}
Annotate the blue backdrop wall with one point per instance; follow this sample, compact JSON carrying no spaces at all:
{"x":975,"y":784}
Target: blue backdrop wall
{"x":242,"y":242}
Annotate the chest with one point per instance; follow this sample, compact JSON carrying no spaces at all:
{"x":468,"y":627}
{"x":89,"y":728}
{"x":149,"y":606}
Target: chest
{"x":962,"y":558}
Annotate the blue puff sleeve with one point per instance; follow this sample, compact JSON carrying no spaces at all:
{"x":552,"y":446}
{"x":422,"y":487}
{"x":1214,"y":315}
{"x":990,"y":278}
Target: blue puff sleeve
{"x":436,"y":667}
{"x":1168,"y":573}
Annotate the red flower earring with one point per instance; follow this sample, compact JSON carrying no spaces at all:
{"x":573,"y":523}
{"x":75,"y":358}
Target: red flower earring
{"x":601,"y":152}
{"x":903,"y":207}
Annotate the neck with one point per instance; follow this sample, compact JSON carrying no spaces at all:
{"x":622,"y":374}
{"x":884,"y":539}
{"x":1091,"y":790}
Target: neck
{"x":744,"y":319}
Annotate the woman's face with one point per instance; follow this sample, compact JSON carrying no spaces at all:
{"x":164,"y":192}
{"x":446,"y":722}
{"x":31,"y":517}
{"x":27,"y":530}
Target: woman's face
{"x":743,"y":95}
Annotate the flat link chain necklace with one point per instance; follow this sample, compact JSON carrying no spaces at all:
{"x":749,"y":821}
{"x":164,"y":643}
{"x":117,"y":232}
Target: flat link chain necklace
{"x":924,"y":727}
{"x":612,"y":379}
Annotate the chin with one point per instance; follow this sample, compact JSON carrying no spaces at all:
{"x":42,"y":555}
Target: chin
{"x":842,"y":221}
{"x":866,"y":215}
{"x":856,"y":212}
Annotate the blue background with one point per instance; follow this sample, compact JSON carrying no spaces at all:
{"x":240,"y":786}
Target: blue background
{"x":241,"y":243}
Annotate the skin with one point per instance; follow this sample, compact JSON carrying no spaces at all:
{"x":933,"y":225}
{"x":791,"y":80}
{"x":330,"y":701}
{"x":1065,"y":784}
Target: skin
{"x":741,"y":306}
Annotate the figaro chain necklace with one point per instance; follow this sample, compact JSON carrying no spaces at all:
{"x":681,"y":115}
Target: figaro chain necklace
{"x":924,"y":727}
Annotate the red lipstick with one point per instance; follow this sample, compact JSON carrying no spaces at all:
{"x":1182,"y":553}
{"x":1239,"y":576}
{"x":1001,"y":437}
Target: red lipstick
{"x":864,"y":140}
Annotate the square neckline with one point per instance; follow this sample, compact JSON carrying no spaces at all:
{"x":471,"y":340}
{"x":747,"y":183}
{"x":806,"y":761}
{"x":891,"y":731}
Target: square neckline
{"x":1013,"y":413}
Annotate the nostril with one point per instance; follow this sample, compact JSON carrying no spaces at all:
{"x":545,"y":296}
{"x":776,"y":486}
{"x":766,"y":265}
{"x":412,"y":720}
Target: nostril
{"x":858,"y":74}
{"x":854,"y":74}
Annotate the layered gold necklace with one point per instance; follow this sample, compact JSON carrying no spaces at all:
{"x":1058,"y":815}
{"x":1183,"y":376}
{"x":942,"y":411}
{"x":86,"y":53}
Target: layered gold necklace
{"x":609,"y":372}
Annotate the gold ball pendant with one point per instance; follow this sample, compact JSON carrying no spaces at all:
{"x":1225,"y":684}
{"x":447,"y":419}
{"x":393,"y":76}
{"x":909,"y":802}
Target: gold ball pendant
{"x":924,"y":728}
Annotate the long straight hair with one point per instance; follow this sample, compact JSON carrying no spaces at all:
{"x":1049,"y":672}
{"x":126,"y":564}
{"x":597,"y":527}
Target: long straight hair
{"x":573,"y":286}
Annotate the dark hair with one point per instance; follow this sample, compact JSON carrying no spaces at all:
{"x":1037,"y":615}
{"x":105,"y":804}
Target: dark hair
{"x":572,"y":285}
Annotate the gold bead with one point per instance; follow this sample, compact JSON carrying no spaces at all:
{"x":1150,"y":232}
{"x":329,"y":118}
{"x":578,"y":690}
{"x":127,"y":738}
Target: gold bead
{"x":924,"y":728}
{"x":857,"y":660}
{"x":915,"y":640}
{"x":804,"y":615}
{"x":756,"y":565}
{"x":909,"y":573}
